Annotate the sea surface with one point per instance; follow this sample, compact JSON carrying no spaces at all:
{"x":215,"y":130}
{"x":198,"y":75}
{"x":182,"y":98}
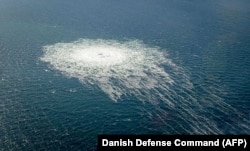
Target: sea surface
{"x":70,"y":70}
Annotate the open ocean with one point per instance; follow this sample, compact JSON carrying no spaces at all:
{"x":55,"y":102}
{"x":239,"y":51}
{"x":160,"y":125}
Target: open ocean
{"x":70,"y":70}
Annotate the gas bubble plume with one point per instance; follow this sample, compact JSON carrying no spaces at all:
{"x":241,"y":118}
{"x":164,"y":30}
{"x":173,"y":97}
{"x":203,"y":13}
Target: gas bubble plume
{"x":124,"y":69}
{"x":117,"y":68}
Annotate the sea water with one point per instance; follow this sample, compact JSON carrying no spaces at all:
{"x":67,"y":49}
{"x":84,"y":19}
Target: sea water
{"x":70,"y":70}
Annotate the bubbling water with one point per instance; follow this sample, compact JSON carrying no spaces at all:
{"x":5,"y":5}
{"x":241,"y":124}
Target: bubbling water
{"x":134,"y":69}
{"x":118,"y":68}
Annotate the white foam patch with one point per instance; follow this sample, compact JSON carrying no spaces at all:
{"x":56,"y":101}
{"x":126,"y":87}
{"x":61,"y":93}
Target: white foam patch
{"x":118,"y":68}
{"x":132,"y":68}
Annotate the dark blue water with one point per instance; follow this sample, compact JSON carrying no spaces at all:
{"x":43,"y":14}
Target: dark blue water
{"x":42,"y":109}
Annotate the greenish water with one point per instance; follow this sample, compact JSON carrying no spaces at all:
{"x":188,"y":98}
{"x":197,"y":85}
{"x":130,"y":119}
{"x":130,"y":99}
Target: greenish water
{"x":183,"y":67}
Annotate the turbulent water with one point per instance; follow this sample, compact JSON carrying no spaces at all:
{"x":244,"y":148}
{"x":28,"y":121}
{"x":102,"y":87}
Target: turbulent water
{"x":131,"y":68}
{"x":70,"y":71}
{"x":127,"y":68}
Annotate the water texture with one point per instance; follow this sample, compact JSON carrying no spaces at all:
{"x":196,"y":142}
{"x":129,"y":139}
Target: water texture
{"x":70,"y":70}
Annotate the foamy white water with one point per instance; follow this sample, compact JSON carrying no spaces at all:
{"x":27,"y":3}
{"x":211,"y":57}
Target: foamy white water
{"x":132,"y":68}
{"x":118,"y":68}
